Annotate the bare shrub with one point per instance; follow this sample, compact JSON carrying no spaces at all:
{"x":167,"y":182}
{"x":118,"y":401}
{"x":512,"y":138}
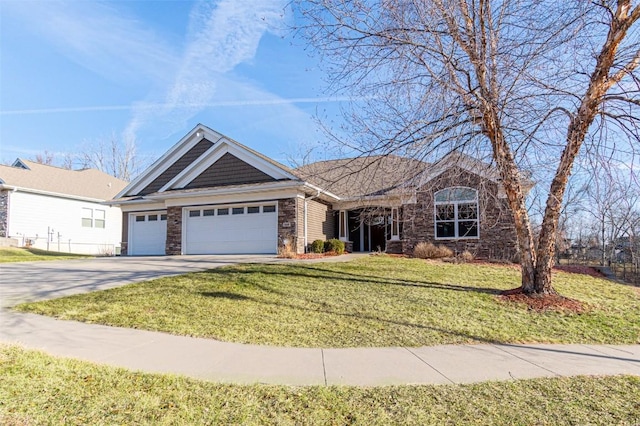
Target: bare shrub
{"x":286,"y":250}
{"x":426,"y":250}
{"x":465,"y":257}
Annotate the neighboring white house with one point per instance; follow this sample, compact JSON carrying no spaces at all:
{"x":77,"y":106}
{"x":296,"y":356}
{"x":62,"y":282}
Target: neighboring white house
{"x":56,"y":209}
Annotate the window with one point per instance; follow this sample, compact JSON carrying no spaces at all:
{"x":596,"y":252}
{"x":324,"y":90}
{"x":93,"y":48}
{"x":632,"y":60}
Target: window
{"x":94,"y":218}
{"x":342,"y":225}
{"x":153,"y":218}
{"x":237,"y":210}
{"x":194,"y":213}
{"x":163,"y":217}
{"x":268,"y":209}
{"x":395,"y":225}
{"x":254,"y":209}
{"x":87,"y":217}
{"x":140,"y":218}
{"x":209,"y":212}
{"x":99,"y":219}
{"x":456,"y":213}
{"x":223,"y":212}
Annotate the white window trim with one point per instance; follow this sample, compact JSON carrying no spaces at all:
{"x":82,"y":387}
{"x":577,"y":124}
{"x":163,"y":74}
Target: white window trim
{"x":343,"y":222}
{"x":91,"y":215}
{"x":87,"y":214}
{"x":395,"y":224}
{"x":455,"y":213}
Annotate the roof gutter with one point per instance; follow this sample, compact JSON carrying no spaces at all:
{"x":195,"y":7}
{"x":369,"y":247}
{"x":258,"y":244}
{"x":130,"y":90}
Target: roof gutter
{"x":52,"y":194}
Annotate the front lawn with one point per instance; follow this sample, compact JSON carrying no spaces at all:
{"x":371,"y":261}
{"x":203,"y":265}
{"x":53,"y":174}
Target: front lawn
{"x":373,"y":301}
{"x":39,"y":389}
{"x":12,"y":254}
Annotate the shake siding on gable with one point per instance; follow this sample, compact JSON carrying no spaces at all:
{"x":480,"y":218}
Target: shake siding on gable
{"x":173,"y":170}
{"x":320,"y":222}
{"x":229,"y":170}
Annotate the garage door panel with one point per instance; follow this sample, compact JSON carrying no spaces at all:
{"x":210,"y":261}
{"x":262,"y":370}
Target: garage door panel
{"x":147,"y":236}
{"x":232,"y":233}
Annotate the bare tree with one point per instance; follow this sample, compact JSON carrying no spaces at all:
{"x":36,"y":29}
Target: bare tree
{"x":113,"y":156}
{"x":47,"y":158}
{"x":526,"y":81}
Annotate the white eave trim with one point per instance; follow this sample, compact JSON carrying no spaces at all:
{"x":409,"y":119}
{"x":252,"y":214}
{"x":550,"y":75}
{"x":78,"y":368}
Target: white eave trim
{"x":175,"y":152}
{"x":53,"y":194}
{"x":224,"y":191}
{"x":213,"y":154}
{"x":314,"y":188}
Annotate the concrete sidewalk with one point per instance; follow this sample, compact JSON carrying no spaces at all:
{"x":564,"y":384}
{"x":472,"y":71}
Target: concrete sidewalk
{"x":237,"y":363}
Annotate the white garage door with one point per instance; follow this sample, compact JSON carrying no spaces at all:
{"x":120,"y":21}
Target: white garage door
{"x":147,"y":233}
{"x":232,"y":230}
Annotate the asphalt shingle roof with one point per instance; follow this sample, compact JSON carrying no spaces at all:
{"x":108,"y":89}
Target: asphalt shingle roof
{"x":362,"y":176}
{"x":87,"y":183}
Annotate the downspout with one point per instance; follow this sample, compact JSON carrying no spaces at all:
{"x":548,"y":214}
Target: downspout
{"x":306,"y":236}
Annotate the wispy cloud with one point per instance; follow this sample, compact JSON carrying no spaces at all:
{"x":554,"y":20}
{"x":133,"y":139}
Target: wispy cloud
{"x":221,"y":35}
{"x":167,"y":106}
{"x":98,"y":36}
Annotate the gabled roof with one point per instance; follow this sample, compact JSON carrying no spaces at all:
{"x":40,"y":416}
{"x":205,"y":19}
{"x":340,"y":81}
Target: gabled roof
{"x":387,"y":175}
{"x":362,"y":176}
{"x":87,"y":183}
{"x":200,"y":160}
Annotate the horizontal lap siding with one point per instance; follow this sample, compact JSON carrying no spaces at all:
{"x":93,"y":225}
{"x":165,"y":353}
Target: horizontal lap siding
{"x":320,"y":222}
{"x":33,"y":215}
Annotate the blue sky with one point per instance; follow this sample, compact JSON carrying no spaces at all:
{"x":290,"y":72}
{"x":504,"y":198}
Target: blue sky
{"x":73,"y":73}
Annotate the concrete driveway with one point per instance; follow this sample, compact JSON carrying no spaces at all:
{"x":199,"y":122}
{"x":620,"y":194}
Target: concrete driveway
{"x":30,"y":281}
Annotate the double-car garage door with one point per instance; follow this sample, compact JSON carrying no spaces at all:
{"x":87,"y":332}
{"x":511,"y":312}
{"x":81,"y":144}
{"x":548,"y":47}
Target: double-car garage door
{"x":231,"y":230}
{"x":236,"y":229}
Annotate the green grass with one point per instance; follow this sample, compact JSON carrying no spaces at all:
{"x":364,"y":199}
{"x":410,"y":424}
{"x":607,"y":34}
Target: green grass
{"x":11,"y":254}
{"x":40,"y":389}
{"x":374,"y":301}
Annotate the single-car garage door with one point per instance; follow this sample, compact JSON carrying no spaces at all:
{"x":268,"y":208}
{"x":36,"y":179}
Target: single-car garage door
{"x":232,"y":230}
{"x":147,"y":233}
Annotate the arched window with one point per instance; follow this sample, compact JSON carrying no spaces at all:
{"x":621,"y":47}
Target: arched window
{"x":456,"y":213}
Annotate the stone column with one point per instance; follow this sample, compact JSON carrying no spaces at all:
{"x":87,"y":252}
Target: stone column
{"x":174,"y":231}
{"x":287,"y":223}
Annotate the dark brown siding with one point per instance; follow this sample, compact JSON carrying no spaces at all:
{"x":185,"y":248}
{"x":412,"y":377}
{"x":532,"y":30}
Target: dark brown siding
{"x":229,"y":170}
{"x":173,"y":170}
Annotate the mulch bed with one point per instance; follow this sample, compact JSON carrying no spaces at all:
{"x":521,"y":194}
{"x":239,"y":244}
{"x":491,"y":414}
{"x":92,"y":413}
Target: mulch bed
{"x":316,"y":255}
{"x":545,"y":302}
{"x":580,"y":269}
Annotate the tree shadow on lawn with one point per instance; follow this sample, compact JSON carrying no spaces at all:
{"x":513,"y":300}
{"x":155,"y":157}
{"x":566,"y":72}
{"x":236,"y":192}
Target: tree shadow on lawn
{"x":359,"y":316}
{"x":323,"y":274}
{"x":225,"y":295}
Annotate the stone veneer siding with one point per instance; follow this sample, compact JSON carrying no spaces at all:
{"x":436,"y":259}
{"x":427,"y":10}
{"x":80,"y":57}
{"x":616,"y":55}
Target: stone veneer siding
{"x":124,"y":241}
{"x":393,"y":246}
{"x":289,"y":210}
{"x":496,"y":226}
{"x":4,"y":213}
{"x":174,"y":231}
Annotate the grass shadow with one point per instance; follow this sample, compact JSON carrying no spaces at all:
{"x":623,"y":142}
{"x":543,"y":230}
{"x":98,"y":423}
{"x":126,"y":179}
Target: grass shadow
{"x":323,"y":274}
{"x":225,"y":295}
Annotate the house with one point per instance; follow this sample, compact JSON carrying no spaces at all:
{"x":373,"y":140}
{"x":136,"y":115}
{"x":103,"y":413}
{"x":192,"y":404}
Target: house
{"x":212,"y":195}
{"x":55,"y":209}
